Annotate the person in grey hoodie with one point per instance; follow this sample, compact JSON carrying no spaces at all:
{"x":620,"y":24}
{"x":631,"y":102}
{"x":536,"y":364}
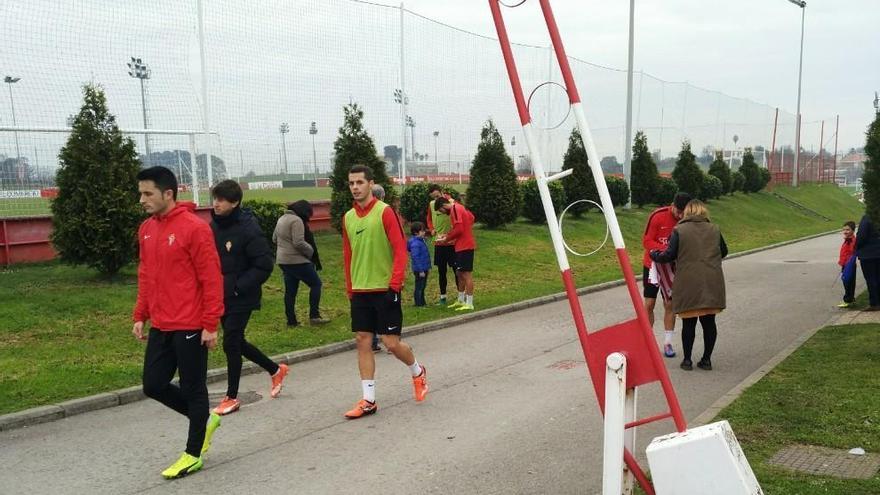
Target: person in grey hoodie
{"x":297,"y":255}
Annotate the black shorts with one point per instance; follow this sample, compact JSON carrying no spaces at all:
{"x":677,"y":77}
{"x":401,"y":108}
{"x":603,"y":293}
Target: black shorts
{"x":444,"y":256}
{"x":375,"y":312}
{"x":651,"y":290}
{"x":464,"y":261}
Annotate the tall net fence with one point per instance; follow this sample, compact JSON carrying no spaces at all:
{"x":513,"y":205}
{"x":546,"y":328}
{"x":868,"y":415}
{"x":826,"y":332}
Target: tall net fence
{"x":277,"y":74}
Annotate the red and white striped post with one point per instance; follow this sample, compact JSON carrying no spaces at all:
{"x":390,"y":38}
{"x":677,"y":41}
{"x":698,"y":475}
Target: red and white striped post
{"x":645,"y":330}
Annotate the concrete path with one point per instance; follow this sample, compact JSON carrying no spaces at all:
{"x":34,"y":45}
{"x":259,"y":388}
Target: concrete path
{"x":511,"y":409}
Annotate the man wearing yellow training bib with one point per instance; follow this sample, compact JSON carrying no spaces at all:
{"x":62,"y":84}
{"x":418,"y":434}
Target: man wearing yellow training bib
{"x":374,"y":252}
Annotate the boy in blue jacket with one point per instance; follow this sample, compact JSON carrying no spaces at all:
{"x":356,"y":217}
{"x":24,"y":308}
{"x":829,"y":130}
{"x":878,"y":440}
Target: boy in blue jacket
{"x":421,"y":260}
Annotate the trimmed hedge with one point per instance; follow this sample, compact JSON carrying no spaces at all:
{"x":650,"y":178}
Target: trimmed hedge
{"x":617,"y":189}
{"x":666,"y":189}
{"x":532,"y":207}
{"x":267,"y":213}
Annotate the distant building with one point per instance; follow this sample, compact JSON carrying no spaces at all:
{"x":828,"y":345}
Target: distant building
{"x":851,"y":167}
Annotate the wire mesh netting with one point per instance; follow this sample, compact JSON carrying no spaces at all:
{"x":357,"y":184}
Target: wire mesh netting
{"x":298,"y":62}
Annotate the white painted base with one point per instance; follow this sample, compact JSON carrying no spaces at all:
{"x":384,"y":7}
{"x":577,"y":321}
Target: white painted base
{"x":703,"y":460}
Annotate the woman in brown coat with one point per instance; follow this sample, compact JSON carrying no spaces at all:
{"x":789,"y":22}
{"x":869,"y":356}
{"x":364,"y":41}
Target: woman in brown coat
{"x":697,"y":247}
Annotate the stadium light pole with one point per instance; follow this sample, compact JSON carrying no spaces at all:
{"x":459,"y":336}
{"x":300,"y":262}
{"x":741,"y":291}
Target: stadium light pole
{"x":284,"y":129}
{"x":412,"y":127}
{"x":513,"y":152}
{"x":627,"y":150}
{"x":9,"y":80}
{"x":139,"y":70}
{"x":313,"y":129}
{"x":401,"y":99}
{"x":436,"y":156}
{"x":797,"y":136}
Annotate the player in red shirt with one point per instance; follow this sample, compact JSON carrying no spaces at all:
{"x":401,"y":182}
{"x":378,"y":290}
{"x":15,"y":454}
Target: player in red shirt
{"x":657,"y":234}
{"x":462,"y":234}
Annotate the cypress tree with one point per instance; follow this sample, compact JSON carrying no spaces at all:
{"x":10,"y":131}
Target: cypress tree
{"x":96,"y":214}
{"x":749,"y":170}
{"x":687,"y":173}
{"x":871,"y":177}
{"x":493,"y":195}
{"x":644,"y":172}
{"x":354,"y":146}
{"x":719,"y":169}
{"x":580,"y":184}
{"x":737,"y":181}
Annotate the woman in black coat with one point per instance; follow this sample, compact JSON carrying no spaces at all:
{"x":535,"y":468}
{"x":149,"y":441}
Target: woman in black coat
{"x":868,"y":251}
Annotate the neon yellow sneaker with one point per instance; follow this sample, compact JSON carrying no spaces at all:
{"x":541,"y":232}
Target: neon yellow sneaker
{"x":213,"y":424}
{"x":465,"y":307}
{"x":454,"y":305}
{"x":187,"y":464}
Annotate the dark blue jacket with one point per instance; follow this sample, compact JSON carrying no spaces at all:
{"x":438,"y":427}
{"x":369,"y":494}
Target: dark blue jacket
{"x":867,"y":240}
{"x":418,"y":253}
{"x":245,"y":259}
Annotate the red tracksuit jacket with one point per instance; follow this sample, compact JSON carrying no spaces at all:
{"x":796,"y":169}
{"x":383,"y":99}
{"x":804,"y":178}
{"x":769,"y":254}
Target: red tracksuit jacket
{"x":180,"y":286}
{"x":657,"y":232}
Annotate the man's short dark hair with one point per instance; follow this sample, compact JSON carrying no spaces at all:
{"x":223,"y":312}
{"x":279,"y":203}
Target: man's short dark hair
{"x":434,"y":187}
{"x":681,"y":200}
{"x":161,"y":176}
{"x":228,"y":190}
{"x":416,"y":227}
{"x":442,"y":200}
{"x":850,"y":224}
{"x":362,"y":169}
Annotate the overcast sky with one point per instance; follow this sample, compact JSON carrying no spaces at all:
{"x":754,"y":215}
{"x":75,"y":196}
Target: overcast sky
{"x":745,"y":48}
{"x":299,"y":61}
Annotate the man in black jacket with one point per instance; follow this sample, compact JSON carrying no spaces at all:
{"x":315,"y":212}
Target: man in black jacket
{"x":246,"y":263}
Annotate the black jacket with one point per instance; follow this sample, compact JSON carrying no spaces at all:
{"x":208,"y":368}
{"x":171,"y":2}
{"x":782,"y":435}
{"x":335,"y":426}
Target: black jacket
{"x":245,"y":259}
{"x":867,"y":240}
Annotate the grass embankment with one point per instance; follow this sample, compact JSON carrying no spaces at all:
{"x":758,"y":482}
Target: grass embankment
{"x":65,"y":333}
{"x":823,"y":395}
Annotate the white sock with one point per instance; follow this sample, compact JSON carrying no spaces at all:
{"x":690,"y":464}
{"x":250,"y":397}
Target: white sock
{"x":415,"y":369}
{"x":667,"y":337}
{"x":369,"y":387}
{"x":461,"y":296}
{"x":470,"y":299}
{"x":442,"y":297}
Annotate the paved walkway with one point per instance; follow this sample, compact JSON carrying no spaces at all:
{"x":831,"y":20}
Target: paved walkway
{"x":511,"y":409}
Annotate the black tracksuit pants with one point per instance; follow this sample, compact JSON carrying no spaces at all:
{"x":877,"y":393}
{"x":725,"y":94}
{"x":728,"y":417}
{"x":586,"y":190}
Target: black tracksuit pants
{"x":235,"y":346}
{"x":180,"y":351}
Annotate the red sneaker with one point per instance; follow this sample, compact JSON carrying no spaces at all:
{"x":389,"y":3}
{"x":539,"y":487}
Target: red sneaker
{"x":277,"y":379}
{"x":420,"y":385}
{"x":362,"y":408}
{"x":227,"y":406}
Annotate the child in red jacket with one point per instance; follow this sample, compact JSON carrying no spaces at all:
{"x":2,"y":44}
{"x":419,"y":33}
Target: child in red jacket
{"x":847,"y":253}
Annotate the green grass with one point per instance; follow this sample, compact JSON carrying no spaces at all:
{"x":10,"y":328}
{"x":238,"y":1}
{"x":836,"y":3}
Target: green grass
{"x":824,"y":394}
{"x":66,"y":332}
{"x":818,"y":197}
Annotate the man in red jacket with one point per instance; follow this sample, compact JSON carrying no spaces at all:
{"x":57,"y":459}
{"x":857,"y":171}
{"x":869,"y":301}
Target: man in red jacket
{"x":180,"y":292}
{"x":657,"y":234}
{"x":462,"y":235}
